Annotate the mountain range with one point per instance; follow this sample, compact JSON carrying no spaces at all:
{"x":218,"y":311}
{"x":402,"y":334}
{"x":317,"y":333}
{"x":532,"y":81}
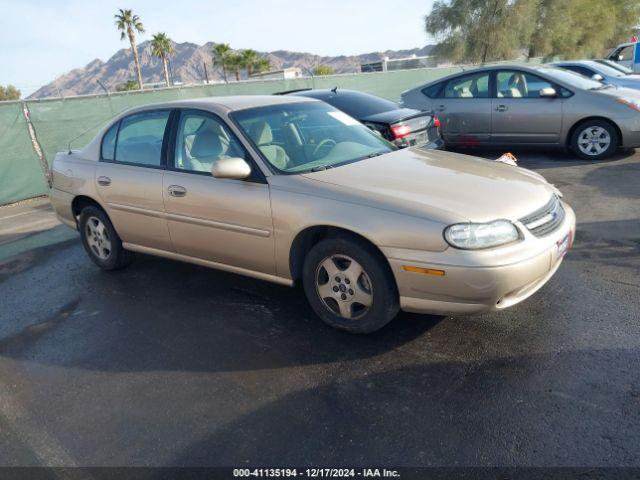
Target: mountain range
{"x":188,"y":66}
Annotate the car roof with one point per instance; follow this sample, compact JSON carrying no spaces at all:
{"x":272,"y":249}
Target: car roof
{"x":223,"y":103}
{"x":486,"y":68}
{"x":587,"y":63}
{"x":326,"y":92}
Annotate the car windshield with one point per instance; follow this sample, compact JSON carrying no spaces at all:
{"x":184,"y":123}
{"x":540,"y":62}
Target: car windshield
{"x":607,"y":70}
{"x":572,"y":79}
{"x":308,"y":136}
{"x":617,"y":66}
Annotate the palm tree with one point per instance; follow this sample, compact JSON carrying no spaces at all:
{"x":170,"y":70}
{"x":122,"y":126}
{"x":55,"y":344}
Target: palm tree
{"x":262,"y":65}
{"x":249,"y":60}
{"x":221,"y":53}
{"x":129,"y":24}
{"x":235,"y":64}
{"x":162,"y":47}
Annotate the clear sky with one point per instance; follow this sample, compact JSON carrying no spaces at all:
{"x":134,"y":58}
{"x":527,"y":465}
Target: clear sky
{"x":40,"y":39}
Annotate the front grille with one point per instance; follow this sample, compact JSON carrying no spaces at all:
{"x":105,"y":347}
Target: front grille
{"x":546,"y":220}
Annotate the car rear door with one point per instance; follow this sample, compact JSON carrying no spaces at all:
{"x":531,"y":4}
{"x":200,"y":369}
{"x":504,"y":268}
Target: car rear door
{"x":220,"y":220}
{"x":519,"y":114}
{"x":464,"y":109}
{"x":129,"y":178}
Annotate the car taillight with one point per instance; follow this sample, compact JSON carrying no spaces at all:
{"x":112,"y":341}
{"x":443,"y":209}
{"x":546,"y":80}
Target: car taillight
{"x":436,"y":122}
{"x":400,"y":131}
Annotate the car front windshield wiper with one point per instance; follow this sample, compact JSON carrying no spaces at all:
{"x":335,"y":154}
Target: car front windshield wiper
{"x":320,"y":168}
{"x":377,"y":154}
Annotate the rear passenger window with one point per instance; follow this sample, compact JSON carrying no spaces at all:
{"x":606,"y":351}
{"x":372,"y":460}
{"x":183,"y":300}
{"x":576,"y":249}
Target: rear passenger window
{"x":140,"y":138}
{"x":470,"y":86}
{"x":109,"y":143}
{"x":433,"y":91}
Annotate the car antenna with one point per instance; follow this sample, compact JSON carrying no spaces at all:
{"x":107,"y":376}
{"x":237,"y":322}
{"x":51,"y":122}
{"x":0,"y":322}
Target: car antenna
{"x":335,"y":89}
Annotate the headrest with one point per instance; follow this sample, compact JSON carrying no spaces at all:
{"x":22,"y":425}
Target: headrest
{"x":206,"y":144}
{"x":261,"y":133}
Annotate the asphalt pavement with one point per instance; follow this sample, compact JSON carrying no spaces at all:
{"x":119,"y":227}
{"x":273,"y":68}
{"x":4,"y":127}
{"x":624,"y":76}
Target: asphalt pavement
{"x":169,"y":364}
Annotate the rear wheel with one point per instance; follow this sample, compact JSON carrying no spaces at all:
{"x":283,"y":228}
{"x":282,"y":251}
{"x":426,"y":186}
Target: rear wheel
{"x":349,"y":286}
{"x":100,"y":240}
{"x":594,"y":140}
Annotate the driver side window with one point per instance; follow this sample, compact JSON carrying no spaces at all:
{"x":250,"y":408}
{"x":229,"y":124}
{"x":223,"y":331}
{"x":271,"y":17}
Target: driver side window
{"x":518,"y":84}
{"x":203,"y":139}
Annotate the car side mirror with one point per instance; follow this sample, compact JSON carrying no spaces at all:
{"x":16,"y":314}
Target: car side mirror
{"x":548,"y":92}
{"x":597,"y":77}
{"x":235,"y":167}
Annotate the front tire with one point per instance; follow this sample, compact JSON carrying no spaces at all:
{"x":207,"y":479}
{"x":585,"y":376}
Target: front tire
{"x":349,"y":285}
{"x":100,"y":240}
{"x":594,"y":140}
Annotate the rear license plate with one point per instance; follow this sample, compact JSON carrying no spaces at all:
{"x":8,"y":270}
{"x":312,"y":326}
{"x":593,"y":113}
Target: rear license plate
{"x":418,"y":139}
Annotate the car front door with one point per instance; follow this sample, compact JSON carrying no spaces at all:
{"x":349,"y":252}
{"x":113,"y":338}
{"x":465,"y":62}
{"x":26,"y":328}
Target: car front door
{"x":464,"y":109}
{"x":129,"y":178}
{"x":220,"y":220}
{"x":520,"y":114}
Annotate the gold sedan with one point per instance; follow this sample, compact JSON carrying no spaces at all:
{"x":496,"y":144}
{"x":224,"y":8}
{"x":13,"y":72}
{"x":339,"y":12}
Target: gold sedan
{"x":290,"y":189}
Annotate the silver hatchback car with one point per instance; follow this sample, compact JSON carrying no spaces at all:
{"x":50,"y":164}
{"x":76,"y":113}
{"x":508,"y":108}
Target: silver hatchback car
{"x":543,"y":105}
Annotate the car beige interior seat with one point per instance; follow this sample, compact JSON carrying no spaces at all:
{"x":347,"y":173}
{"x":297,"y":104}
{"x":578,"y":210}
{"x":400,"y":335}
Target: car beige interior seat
{"x":464,"y":93}
{"x":261,"y":133}
{"x":206,"y":148}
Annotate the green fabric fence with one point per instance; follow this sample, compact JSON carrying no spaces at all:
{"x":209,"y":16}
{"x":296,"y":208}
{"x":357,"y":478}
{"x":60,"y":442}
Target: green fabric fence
{"x":77,"y":119}
{"x":21,"y":175}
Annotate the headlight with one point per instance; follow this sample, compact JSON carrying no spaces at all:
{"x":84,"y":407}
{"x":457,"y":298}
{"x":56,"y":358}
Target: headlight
{"x":473,"y":236}
{"x":631,"y":103}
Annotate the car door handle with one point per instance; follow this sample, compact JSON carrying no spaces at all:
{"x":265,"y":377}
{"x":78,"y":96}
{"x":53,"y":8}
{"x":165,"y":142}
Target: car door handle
{"x":104,"y":181}
{"x":177,"y":191}
{"x":501,"y":108}
{"x":441,"y":108}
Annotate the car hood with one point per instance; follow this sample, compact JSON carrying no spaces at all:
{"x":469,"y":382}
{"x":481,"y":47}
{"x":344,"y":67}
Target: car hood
{"x":619,"y":91}
{"x":628,"y":81}
{"x":441,"y":185}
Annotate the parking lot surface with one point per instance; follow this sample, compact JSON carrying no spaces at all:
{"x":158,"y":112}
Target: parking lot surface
{"x":166,"y":363}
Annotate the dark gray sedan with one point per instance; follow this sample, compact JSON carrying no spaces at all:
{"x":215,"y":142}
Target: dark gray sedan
{"x":541,"y":105}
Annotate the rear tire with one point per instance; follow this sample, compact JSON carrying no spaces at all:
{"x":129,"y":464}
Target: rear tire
{"x":594,"y":140}
{"x":349,"y":285}
{"x":101,"y":241}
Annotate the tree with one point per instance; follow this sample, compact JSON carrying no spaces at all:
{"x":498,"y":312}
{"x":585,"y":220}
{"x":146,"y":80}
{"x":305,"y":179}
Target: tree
{"x":9,"y":93}
{"x":221,"y":53}
{"x":128,"y":24}
{"x":480,"y":30}
{"x":487,"y":30}
{"x":162,"y":47}
{"x":262,"y":65}
{"x":249,"y":58}
{"x":582,"y":28}
{"x":130,"y":84}
{"x":323,"y":70}
{"x":235,"y":64}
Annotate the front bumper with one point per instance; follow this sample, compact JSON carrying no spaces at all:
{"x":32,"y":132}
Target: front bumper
{"x":486,"y":282}
{"x":630,"y":129}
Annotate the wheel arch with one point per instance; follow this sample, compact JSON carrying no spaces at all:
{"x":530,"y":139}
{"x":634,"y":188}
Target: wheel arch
{"x":310,"y":236}
{"x":574,"y":127}
{"x":80,"y":202}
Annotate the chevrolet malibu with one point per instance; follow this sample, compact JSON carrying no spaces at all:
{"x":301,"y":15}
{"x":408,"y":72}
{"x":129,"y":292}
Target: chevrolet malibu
{"x":289,"y":189}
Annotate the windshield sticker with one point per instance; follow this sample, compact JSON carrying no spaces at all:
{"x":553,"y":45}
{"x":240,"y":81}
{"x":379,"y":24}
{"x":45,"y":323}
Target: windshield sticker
{"x":344,"y":118}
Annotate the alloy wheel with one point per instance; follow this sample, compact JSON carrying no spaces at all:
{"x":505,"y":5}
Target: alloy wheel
{"x":344,"y":286}
{"x":98,"y":238}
